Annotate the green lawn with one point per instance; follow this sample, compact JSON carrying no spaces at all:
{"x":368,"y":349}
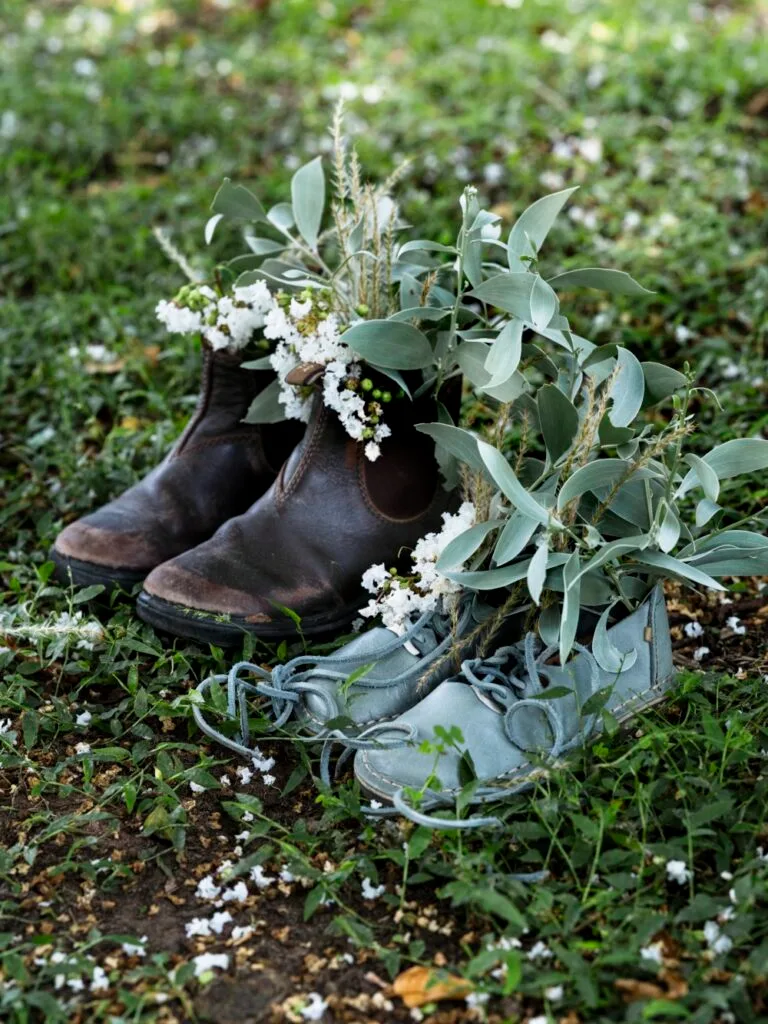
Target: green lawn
{"x":118,"y":117}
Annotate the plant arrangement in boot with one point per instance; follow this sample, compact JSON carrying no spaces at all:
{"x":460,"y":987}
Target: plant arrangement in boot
{"x":359,"y":308}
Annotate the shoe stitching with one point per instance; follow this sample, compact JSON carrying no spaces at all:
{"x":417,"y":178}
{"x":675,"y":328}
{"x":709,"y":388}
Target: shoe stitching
{"x":285,"y":490}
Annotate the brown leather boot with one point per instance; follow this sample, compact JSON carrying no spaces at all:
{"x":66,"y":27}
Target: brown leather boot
{"x":217,"y":469}
{"x":305,"y":544}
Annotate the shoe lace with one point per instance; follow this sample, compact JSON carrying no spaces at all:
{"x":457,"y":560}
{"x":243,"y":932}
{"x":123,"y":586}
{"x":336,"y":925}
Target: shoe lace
{"x":512,"y":678}
{"x":286,"y":686}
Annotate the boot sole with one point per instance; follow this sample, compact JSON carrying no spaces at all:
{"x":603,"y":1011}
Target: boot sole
{"x":179,"y":620}
{"x":86,"y":574}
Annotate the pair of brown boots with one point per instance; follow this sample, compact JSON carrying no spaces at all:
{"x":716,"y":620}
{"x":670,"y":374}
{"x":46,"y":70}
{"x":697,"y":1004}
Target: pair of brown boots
{"x":247,"y":527}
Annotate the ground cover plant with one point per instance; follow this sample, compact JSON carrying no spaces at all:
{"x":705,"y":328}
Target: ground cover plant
{"x":116,"y":818}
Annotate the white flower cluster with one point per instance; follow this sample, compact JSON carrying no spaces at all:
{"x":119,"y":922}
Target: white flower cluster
{"x":397,"y":600}
{"x":305,"y":335}
{"x":227,"y":321}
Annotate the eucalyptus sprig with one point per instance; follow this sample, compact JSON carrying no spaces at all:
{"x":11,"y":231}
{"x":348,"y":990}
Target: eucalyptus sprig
{"x":602,"y":504}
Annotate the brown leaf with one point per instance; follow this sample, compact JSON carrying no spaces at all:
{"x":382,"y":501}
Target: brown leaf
{"x":420,"y":985}
{"x":677,"y":986}
{"x":113,"y":367}
{"x":632,"y":990}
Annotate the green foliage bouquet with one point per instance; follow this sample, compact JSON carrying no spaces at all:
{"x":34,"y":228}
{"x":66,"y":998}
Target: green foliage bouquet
{"x":593,"y":505}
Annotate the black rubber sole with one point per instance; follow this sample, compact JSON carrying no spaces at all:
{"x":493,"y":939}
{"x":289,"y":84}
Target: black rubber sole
{"x":178,"y":620}
{"x":86,"y":574}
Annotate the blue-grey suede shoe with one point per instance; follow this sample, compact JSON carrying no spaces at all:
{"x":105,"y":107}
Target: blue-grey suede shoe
{"x":498,"y":707}
{"x":372,"y":679}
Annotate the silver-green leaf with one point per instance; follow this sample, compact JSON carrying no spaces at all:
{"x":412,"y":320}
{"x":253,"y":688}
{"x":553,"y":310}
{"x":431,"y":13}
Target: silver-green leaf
{"x":237,"y":202}
{"x":504,"y":477}
{"x":533,"y":225}
{"x":308,"y":199}
{"x":390,"y":343}
{"x":616,"y":281}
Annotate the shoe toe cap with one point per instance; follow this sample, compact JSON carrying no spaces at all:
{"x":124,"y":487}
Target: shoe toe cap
{"x":178,"y":584}
{"x":87,"y":542}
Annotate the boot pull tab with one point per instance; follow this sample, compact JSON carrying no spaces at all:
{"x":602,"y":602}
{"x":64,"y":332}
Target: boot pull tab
{"x":305,"y":374}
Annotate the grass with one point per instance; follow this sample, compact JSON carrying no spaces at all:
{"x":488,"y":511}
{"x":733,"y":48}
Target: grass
{"x":114,"y":118}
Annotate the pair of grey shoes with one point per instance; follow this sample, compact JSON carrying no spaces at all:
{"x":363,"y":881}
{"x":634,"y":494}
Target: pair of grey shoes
{"x":424,"y":717}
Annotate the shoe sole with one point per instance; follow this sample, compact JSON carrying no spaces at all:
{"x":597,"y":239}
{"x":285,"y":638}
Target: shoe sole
{"x":86,"y":574}
{"x":192,"y":624}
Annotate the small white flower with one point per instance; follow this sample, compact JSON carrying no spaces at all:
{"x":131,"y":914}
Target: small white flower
{"x":206,"y":962}
{"x":554,"y":993}
{"x":241,"y":931}
{"x":84,"y":67}
{"x":237,"y":894}
{"x":207,"y":889}
{"x":540,"y":951}
{"x":315,"y":1007}
{"x":541,"y":1019}
{"x":224,"y":781}
{"x":370,"y":891}
{"x":372,"y":93}
{"x":715,"y":939}
{"x":268,"y":780}
{"x":178,"y":319}
{"x":6,"y":732}
{"x":693,"y":629}
{"x":494,"y":174}
{"x":287,"y":876}
{"x":99,"y":979}
{"x":726,"y":876}
{"x":734,"y":623}
{"x":82,"y":748}
{"x":263,"y":764}
{"x":700,"y":653}
{"x":198,"y":926}
{"x":219,"y":921}
{"x":591,"y":149}
{"x":244,"y":775}
{"x":683,"y":334}
{"x":476,"y":1000}
{"x":260,"y":878}
{"x":196,"y":787}
{"x":654,"y":952}
{"x":376,"y":805}
{"x":677,"y":871}
{"x":84,"y":718}
{"x":136,"y":949}
{"x":552,"y":180}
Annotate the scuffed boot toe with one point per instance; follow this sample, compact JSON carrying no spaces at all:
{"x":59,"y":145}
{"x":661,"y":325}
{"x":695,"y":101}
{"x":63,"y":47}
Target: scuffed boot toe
{"x":178,"y":600}
{"x":88,"y":554}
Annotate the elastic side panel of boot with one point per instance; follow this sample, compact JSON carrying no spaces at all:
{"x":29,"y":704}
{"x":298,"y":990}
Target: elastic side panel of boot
{"x":403,"y":481}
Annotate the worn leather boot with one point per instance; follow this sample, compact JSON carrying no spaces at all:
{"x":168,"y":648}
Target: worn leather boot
{"x":304,"y":546}
{"x":217,"y":469}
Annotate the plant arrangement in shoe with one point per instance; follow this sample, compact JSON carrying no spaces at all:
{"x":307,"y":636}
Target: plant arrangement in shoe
{"x":594,"y":510}
{"x":369,"y":338}
{"x":597,"y":503}
{"x":361,"y":308}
